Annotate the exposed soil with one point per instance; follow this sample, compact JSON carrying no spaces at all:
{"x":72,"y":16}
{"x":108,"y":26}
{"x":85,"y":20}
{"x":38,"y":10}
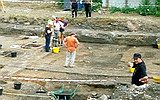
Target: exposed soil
{"x":93,"y":61}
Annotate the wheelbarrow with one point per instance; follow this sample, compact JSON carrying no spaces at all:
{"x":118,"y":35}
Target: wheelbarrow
{"x":64,"y":94}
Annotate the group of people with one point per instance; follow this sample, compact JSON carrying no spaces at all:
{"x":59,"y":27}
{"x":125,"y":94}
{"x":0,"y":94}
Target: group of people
{"x":87,"y":6}
{"x":57,"y":26}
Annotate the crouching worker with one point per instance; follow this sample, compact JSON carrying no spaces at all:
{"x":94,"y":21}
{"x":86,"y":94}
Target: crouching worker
{"x":139,"y":76}
{"x":48,"y":33}
{"x":71,"y":44}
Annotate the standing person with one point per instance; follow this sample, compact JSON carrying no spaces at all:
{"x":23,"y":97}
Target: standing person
{"x":57,"y":26}
{"x":71,"y":44}
{"x":48,"y":33}
{"x":62,"y":29}
{"x":74,"y":7}
{"x":139,"y":76}
{"x":88,"y":7}
{"x":81,"y":4}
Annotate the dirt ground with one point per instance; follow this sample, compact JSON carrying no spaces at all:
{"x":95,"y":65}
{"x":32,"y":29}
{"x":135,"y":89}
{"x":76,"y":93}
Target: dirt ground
{"x":93,"y":61}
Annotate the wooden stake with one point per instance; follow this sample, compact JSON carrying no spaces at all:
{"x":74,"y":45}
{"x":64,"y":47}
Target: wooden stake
{"x":2,"y":5}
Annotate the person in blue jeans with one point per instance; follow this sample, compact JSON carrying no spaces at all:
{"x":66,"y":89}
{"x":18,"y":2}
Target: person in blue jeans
{"x":48,"y":33}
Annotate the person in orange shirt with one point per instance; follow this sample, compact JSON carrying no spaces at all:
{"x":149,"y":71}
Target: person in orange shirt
{"x":71,"y":44}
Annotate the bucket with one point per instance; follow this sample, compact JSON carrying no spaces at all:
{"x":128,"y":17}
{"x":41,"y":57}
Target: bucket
{"x":17,"y":85}
{"x":131,"y":70}
{"x":55,"y":49}
{"x":13,"y":54}
{"x":155,"y":45}
{"x":1,"y":90}
{"x":158,"y":45}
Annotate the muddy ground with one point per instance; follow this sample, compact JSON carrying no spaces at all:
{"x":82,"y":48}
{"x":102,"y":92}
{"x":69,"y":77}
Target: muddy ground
{"x":93,"y":61}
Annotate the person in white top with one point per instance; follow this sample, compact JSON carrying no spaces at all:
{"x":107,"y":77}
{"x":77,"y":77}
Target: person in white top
{"x":57,"y":25}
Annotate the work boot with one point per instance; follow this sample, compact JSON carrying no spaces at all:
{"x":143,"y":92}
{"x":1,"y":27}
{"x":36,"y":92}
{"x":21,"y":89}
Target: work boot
{"x":71,"y":66}
{"x":65,"y":66}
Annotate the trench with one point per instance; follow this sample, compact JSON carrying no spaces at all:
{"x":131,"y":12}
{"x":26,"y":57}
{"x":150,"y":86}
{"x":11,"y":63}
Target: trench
{"x":33,"y":89}
{"x":87,"y":85}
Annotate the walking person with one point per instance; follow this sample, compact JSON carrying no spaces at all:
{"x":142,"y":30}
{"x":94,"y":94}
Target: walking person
{"x":71,"y":44}
{"x":48,"y":33}
{"x":139,"y":76}
{"x":88,"y":7}
{"x":74,"y":7}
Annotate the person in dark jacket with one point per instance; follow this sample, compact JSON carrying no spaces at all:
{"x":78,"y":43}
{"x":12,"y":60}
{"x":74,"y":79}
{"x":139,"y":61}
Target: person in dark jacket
{"x":48,"y":33}
{"x":74,"y":8}
{"x":139,"y":76}
{"x":88,"y":7}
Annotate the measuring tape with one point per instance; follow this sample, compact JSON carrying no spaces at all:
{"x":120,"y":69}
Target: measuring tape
{"x":46,"y":79}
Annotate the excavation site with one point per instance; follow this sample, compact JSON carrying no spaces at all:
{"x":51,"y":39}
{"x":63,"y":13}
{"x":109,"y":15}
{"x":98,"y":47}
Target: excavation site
{"x":100,"y":72}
